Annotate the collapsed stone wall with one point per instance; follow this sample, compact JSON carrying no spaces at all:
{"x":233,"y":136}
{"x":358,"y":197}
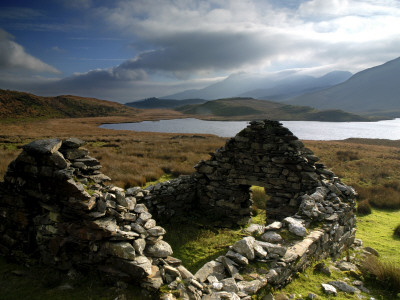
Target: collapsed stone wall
{"x":55,"y":206}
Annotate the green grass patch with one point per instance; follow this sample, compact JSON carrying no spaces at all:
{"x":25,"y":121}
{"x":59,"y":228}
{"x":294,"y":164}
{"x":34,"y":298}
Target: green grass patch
{"x":97,"y":144}
{"x":259,"y":216}
{"x":376,"y":231}
{"x":310,"y":281}
{"x":163,"y":178}
{"x":10,"y":146}
{"x":196,"y":244}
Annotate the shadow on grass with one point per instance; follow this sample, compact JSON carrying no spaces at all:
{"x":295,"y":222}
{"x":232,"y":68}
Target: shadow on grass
{"x":196,"y":242}
{"x":38,"y":282}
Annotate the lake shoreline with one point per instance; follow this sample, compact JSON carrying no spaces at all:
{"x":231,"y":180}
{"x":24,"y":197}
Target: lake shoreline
{"x":306,"y":130}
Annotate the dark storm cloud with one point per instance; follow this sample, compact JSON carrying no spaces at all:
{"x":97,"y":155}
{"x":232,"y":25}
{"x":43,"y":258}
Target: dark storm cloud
{"x":196,"y":51}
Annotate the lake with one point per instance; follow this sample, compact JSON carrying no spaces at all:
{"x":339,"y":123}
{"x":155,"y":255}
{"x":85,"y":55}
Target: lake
{"x":306,"y":130}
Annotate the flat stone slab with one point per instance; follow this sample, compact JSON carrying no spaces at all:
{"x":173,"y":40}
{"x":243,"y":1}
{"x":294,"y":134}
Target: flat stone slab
{"x":329,"y":289}
{"x":73,"y":143}
{"x":343,"y":286}
{"x":47,"y":146}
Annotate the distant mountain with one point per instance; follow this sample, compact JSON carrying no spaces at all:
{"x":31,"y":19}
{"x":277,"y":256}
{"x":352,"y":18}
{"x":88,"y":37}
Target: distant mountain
{"x":163,"y":103}
{"x":280,"y":85}
{"x":297,"y":85}
{"x":253,"y":109}
{"x":374,"y":91}
{"x":16,"y":105}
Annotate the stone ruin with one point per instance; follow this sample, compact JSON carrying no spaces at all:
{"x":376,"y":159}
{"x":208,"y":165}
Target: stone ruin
{"x":56,"y":207}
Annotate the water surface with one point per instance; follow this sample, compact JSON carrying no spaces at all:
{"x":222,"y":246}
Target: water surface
{"x":306,"y":130}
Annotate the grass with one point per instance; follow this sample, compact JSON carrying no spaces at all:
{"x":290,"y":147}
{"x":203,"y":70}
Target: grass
{"x":195,"y":243}
{"x":386,"y":273}
{"x":310,"y":281}
{"x":372,"y":169}
{"x":259,"y":197}
{"x":364,"y":208}
{"x":376,"y":231}
{"x":397,"y":231}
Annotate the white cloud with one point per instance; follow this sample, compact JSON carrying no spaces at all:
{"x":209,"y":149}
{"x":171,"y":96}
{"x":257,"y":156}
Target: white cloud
{"x":14,"y":57}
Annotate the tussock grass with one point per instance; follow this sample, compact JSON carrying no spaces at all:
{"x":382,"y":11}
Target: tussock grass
{"x":397,"y":231}
{"x":6,"y":156}
{"x":129,"y":158}
{"x":364,"y":208}
{"x":347,"y":155}
{"x":386,"y":273}
{"x":380,"y":196}
{"x":371,"y":169}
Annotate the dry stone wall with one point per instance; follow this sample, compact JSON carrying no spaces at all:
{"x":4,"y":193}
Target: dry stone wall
{"x":264,"y":154}
{"x":54,"y":206}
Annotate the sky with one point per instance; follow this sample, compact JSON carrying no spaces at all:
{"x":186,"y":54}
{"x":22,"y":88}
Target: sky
{"x":126,"y":50}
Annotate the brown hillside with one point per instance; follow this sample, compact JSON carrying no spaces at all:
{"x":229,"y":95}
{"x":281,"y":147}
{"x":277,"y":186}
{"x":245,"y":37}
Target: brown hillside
{"x":19,"y":105}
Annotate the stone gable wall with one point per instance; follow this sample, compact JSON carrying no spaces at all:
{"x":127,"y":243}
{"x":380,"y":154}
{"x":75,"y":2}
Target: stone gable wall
{"x":264,"y":154}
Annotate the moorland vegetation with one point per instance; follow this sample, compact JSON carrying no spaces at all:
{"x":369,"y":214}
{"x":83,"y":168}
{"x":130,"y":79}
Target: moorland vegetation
{"x":137,"y":158}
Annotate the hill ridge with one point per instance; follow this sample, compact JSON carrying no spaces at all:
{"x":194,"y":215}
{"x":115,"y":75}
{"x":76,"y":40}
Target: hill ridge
{"x":15,"y":105}
{"x":254,"y":109}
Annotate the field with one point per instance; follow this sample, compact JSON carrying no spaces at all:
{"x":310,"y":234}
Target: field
{"x":132,"y":158}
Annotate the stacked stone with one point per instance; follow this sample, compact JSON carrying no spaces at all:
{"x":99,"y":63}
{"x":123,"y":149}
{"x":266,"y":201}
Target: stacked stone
{"x":55,"y":207}
{"x":170,"y":198}
{"x":263,"y":154}
{"x":222,"y":278}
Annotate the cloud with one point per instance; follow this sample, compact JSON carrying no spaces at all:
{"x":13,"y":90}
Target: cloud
{"x":185,"y":41}
{"x":229,"y":35}
{"x":107,"y":84}
{"x":57,"y":49}
{"x":14,"y":57}
{"x":77,"y":4}
{"x":19,"y":13}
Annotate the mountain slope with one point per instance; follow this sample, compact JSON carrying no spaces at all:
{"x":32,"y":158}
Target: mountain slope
{"x":297,"y":85}
{"x":280,"y":85}
{"x":374,"y":91}
{"x":163,"y":103}
{"x":253,"y":109}
{"x":18,"y":105}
